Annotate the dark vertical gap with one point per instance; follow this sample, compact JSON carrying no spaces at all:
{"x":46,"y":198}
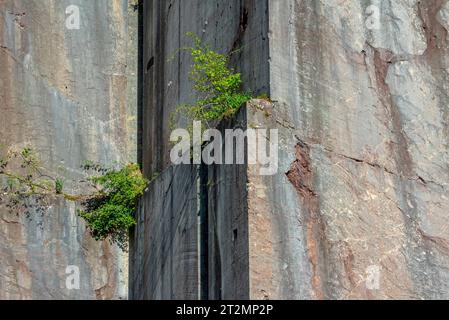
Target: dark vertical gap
{"x":179,"y":51}
{"x":267,"y":46}
{"x":173,"y":294}
{"x":140,"y":77}
{"x":179,"y":69}
{"x":159,"y":102}
{"x":244,"y":228}
{"x":204,"y":232}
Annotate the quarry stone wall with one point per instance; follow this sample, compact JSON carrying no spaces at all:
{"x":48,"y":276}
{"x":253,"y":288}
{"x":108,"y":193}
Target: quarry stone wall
{"x":226,"y":26}
{"x":366,"y":106}
{"x":359,"y":205}
{"x":164,"y":244}
{"x":70,"y":94}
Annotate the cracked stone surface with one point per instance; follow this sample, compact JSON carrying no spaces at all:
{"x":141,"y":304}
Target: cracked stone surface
{"x":359,"y":206}
{"x":70,"y":95}
{"x":370,"y":109}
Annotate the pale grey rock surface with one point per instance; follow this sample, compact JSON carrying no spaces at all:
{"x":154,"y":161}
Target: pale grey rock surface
{"x":371,"y":112}
{"x":69,"y":94}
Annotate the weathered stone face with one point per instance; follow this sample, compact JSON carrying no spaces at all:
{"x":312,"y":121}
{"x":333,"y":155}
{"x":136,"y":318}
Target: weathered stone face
{"x":371,"y":106}
{"x":70,"y":95}
{"x":359,"y":206}
{"x":164,"y":244}
{"x":227,"y":26}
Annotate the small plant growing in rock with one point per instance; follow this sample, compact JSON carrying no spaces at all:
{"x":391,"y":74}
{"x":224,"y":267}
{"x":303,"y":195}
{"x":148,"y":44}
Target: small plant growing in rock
{"x":218,"y":87}
{"x":109,"y":211}
{"x":22,"y":177}
{"x":107,"y":208}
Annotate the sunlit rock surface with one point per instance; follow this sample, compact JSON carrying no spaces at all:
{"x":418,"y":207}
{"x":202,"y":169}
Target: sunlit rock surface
{"x":368,"y":109}
{"x":70,"y":95}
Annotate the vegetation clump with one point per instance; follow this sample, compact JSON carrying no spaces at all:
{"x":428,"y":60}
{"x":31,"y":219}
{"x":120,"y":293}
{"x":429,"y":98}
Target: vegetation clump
{"x":109,"y":211}
{"x":218,"y":87}
{"x":108,"y":207}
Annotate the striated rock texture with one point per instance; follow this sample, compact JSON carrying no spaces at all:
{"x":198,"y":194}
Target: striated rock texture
{"x":368,"y":149}
{"x":227,"y":26}
{"x":360,"y":204}
{"x":70,"y":95}
{"x":163,"y":250}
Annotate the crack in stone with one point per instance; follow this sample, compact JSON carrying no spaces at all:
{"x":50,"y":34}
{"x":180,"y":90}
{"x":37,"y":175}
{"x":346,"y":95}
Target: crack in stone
{"x":301,"y":177}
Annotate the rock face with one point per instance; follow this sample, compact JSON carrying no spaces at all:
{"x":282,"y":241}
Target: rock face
{"x":368,"y":108}
{"x":360,"y":203}
{"x":164,"y":246}
{"x":70,"y":94}
{"x":224,"y":24}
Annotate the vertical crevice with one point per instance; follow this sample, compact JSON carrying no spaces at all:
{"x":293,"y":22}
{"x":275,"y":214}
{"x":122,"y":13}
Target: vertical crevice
{"x":159,"y":102}
{"x":140,"y":80}
{"x":301,"y":176}
{"x":266,"y":41}
{"x":204,"y":233}
{"x":140,"y":74}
